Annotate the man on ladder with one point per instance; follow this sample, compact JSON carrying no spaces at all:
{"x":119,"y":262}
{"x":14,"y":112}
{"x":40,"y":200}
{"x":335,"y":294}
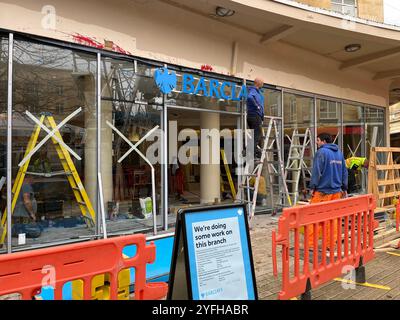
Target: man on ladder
{"x":255,"y":113}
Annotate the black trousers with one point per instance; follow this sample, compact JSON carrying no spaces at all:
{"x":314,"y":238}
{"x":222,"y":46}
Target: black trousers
{"x":255,"y":123}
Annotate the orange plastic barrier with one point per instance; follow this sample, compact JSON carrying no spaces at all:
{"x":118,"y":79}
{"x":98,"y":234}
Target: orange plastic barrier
{"x":25,"y":272}
{"x":355,"y":223}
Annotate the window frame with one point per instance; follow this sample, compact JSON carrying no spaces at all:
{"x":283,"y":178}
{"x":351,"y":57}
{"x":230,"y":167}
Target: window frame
{"x":328,"y":115}
{"x":343,"y":6}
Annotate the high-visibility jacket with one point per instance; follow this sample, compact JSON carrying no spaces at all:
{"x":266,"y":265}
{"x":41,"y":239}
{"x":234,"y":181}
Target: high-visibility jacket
{"x":262,"y":187}
{"x":355,"y":163}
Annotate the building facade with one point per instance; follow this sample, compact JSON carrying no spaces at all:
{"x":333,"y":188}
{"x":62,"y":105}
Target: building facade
{"x":92,"y":67}
{"x":364,"y":9}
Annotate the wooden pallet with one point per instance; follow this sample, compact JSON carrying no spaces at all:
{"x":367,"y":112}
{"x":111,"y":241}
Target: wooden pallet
{"x":384,"y":177}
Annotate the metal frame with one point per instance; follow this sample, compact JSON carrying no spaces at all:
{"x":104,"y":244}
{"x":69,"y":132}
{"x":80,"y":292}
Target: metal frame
{"x":101,"y":200}
{"x":203,"y":110}
{"x":239,"y":147}
{"x":164,"y":163}
{"x":243,"y":119}
{"x":342,"y":124}
{"x":315,"y":120}
{"x":160,"y":236}
{"x":283,"y":126}
{"x":9,"y":139}
{"x":101,"y":219}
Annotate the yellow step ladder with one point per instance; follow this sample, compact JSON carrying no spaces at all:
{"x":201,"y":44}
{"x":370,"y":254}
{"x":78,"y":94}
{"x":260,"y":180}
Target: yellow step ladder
{"x":69,"y":169}
{"x":228,"y":175}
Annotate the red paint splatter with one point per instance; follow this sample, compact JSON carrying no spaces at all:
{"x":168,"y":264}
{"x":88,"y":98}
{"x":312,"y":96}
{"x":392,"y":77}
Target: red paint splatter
{"x":88,"y":41}
{"x":117,"y":48}
{"x":206,"y":67}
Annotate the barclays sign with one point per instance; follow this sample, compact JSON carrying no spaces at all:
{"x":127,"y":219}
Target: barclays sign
{"x":166,"y":81}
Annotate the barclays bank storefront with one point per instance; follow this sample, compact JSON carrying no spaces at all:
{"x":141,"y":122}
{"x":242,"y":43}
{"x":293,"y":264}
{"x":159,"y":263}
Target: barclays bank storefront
{"x":92,"y":136}
{"x":114,"y":115}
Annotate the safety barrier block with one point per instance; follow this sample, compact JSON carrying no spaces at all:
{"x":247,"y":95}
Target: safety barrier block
{"x":344,"y":239}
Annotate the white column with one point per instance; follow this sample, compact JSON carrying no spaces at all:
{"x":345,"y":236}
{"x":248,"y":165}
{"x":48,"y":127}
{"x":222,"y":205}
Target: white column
{"x":90,"y":177}
{"x":106,"y":151}
{"x":88,"y":85}
{"x":210,"y":188}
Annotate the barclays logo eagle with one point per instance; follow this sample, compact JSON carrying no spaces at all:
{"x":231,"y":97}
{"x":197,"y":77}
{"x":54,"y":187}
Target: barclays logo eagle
{"x":165,"y":79}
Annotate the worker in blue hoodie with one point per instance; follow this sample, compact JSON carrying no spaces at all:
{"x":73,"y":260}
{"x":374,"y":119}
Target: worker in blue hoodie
{"x":329,"y":173}
{"x":255,"y":113}
{"x":329,"y":176}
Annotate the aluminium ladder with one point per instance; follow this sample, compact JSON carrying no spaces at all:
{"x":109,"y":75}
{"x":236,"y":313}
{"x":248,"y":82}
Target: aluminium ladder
{"x":275,"y":168}
{"x":296,"y":165}
{"x":271,"y":150}
{"x":69,"y":170}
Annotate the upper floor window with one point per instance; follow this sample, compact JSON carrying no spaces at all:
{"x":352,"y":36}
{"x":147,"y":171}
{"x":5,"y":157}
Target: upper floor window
{"x":374,"y":114}
{"x":347,"y":7}
{"x":328,"y":110}
{"x":293,"y":110}
{"x":274,"y":109}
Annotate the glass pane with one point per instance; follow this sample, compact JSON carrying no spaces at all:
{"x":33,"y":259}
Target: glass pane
{"x":3,"y":131}
{"x":298,"y":119}
{"x":129,"y":105}
{"x":194,"y":179}
{"x":118,"y":78}
{"x":298,"y":112}
{"x":353,"y":139}
{"x":350,"y":2}
{"x":351,"y":11}
{"x":147,"y":91}
{"x":353,"y":131}
{"x":337,"y":7}
{"x":375,"y":134}
{"x":328,"y":118}
{"x":56,"y":198}
{"x":273,"y":102}
{"x":145,"y":69}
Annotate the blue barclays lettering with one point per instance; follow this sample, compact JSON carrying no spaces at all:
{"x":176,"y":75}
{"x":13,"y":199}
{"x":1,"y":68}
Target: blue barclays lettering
{"x":214,"y":88}
{"x":166,"y":81}
{"x":187,"y":80}
{"x":201,"y":86}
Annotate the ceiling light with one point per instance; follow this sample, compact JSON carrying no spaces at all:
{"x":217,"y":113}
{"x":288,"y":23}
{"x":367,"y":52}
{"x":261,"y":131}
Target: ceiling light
{"x":395,"y":91}
{"x":352,"y":47}
{"x":224,"y":12}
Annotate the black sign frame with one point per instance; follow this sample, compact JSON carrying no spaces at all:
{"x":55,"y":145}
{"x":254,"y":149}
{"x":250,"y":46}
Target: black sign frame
{"x":178,"y":281}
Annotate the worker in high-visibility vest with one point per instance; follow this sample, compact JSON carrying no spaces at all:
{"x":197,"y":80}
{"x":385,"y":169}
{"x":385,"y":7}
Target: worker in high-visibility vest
{"x":261,"y":192}
{"x":354,"y":165}
{"x":42,"y":163}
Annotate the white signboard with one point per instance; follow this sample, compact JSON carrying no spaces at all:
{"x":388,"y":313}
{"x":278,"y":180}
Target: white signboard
{"x":218,"y":260}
